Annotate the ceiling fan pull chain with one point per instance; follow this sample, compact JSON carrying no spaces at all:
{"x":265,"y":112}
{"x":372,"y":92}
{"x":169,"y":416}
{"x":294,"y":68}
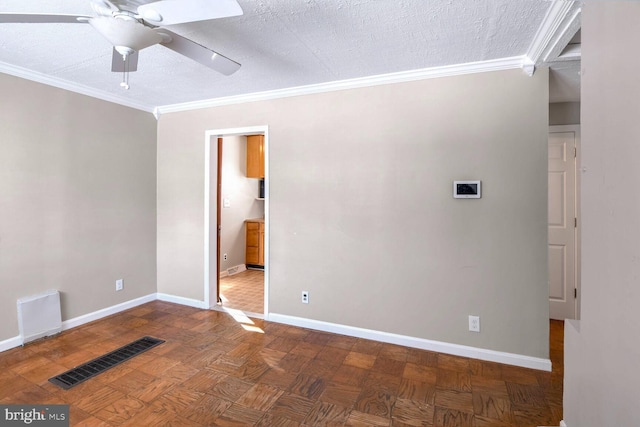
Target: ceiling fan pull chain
{"x":125,"y":73}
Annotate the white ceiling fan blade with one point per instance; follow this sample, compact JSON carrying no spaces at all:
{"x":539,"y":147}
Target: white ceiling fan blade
{"x":38,"y":18}
{"x":198,"y":53}
{"x":168,"y":12}
{"x":103,"y":7}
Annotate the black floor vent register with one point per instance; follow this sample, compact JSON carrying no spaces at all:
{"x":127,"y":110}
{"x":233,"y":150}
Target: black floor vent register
{"x":96,"y":366}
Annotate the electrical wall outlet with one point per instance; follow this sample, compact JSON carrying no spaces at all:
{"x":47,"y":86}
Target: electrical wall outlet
{"x":224,"y":257}
{"x":474,"y":323}
{"x":119,"y":284}
{"x":305,"y":297}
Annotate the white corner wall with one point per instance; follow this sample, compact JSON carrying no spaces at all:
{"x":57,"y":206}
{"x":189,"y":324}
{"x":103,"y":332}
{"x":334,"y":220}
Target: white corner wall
{"x":602,"y":349}
{"x":361,"y":208}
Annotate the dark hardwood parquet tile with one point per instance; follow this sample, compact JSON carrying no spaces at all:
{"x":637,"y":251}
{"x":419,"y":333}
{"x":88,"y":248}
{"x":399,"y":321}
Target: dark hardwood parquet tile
{"x":360,"y":360}
{"x":454,"y":363}
{"x":133,"y":381}
{"x":293,"y":363}
{"x":422,"y":357}
{"x":417,"y":391}
{"x":206,"y":410}
{"x":156,"y":388}
{"x":292,"y":407}
{"x":409,"y":412}
{"x":278,"y":378}
{"x":121,"y":410}
{"x":177,"y":400}
{"x":213,"y":372}
{"x":322,"y":368}
{"x":388,"y":366}
{"x":239,"y":416}
{"x":454,"y":399}
{"x":445,"y":417}
{"x":419,"y":372}
{"x":323,"y":414}
{"x":307,"y":386}
{"x":307,"y":349}
{"x":376,"y":402}
{"x":251,"y":370}
{"x":231,"y":388}
{"x":381,"y":381}
{"x":340,"y":394}
{"x":317,"y":337}
{"x":334,"y":355}
{"x":100,"y":398}
{"x":490,"y":406}
{"x":260,"y":397}
{"x":362,"y":419}
{"x":350,"y":375}
{"x":453,"y":380}
{"x":367,"y":347}
{"x":342,"y":341}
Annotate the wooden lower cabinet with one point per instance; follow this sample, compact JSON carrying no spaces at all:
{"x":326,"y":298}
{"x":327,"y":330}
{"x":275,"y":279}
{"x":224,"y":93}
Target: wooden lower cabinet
{"x":254,"y":255}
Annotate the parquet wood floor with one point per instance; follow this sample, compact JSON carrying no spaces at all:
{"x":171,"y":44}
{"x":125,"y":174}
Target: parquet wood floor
{"x":216,"y":371}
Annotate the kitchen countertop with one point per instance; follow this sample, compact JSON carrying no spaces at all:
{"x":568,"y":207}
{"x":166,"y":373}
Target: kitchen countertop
{"x":254,"y":220}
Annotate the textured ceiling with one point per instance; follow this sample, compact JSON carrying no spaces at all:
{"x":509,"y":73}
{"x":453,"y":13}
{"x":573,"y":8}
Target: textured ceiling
{"x":280,"y":44}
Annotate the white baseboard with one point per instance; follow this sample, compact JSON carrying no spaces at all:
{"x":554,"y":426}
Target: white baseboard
{"x":421,"y":343}
{"x":424,"y":344}
{"x":108,"y":311}
{"x":182,"y":301}
{"x":99,"y":314}
{"x":10,"y":343}
{"x":85,"y":318}
{"x":233,"y":270}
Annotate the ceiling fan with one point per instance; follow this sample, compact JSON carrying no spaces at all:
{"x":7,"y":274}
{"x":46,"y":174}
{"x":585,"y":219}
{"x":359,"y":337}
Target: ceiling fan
{"x":132,"y":25}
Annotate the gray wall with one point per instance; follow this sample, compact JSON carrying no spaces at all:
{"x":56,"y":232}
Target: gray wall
{"x":564,"y":113}
{"x":77,"y":200}
{"x":602,"y":349}
{"x":241,"y":192}
{"x":361,"y":207}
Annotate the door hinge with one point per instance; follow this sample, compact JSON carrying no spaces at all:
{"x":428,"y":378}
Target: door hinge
{"x":575,"y":152}
{"x":575,"y":222}
{"x":575,"y":292}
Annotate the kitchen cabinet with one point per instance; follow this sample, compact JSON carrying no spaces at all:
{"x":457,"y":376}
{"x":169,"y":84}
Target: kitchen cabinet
{"x":254,"y":253}
{"x":255,"y":156}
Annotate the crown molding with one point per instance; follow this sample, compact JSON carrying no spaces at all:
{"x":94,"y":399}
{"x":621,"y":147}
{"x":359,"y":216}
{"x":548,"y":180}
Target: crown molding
{"x":70,"y":86}
{"x":570,"y":27}
{"x":561,"y":18}
{"x":522,"y":62}
{"x":400,"y":77}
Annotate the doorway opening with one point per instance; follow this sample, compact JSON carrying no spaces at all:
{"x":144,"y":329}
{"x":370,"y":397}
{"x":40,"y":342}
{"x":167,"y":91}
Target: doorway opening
{"x":237,"y":218}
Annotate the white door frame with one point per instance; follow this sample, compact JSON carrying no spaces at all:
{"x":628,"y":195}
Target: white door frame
{"x":211,"y":257}
{"x":577,"y":235}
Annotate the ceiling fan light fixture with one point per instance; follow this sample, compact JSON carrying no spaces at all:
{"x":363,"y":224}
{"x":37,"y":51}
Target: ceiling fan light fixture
{"x":127,"y":33}
{"x":124,"y":51}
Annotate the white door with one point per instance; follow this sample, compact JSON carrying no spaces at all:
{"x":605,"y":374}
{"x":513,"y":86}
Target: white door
{"x":563,"y":261}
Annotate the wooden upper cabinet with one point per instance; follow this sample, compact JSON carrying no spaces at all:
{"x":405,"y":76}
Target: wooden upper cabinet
{"x":255,"y":156}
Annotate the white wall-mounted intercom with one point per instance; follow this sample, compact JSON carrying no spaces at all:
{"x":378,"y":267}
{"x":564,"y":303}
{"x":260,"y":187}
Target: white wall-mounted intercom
{"x":467,"y":189}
